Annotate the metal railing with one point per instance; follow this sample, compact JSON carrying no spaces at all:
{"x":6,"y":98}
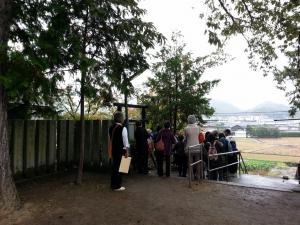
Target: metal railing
{"x":239,"y":162}
{"x":195,"y":150}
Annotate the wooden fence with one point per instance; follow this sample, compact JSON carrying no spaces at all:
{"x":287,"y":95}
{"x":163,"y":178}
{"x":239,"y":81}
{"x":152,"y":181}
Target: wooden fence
{"x":45,"y":146}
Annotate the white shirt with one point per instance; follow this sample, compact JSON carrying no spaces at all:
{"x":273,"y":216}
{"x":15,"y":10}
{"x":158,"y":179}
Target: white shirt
{"x":125,"y":138}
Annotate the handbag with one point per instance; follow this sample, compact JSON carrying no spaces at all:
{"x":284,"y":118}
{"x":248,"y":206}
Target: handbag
{"x":160,"y":146}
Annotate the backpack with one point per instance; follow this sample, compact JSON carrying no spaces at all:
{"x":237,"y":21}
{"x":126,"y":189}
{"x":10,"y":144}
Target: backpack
{"x":233,"y":146}
{"x":212,"y":150}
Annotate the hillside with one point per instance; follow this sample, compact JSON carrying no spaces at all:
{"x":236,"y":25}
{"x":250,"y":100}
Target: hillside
{"x":269,"y":107}
{"x":224,"y":107}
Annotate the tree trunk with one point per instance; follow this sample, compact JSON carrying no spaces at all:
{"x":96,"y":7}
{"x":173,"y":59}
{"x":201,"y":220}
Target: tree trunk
{"x":126,"y":109}
{"x":82,"y":130}
{"x":175,"y":106}
{"x":8,"y":193}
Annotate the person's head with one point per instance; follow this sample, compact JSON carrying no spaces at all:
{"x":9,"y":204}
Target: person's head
{"x":180,"y":137}
{"x":221,"y":135}
{"x":200,"y":124}
{"x":167,"y":125}
{"x":138,"y":123}
{"x":191,"y":119}
{"x":158,"y":128}
{"x":206,"y":134}
{"x":215,"y":134}
{"x":227,"y":132}
{"x":118,"y":117}
{"x":210,"y":137}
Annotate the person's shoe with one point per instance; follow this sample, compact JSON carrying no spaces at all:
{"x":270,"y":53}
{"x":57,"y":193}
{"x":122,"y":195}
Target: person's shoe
{"x":120,"y":189}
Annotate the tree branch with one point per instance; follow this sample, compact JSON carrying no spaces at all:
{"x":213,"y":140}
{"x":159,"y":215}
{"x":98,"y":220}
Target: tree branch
{"x":249,"y":13}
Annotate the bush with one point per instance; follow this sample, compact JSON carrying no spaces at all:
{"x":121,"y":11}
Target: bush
{"x":263,"y":165}
{"x":289,"y":134}
{"x":263,"y":131}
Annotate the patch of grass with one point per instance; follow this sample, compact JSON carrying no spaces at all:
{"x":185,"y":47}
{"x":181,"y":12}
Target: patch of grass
{"x":263,"y":165}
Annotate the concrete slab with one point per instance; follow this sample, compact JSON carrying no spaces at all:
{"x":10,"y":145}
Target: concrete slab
{"x":272,"y":183}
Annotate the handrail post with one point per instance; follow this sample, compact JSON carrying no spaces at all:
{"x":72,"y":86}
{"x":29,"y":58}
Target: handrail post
{"x":201,"y":158}
{"x":190,"y":167}
{"x":208,"y":167}
{"x":239,"y":163}
{"x":199,"y":168}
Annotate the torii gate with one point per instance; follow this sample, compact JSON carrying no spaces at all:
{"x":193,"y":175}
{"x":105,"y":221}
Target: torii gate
{"x":143,"y":113}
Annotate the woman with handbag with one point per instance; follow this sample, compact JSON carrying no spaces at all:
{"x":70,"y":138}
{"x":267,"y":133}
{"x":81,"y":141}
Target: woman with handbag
{"x":163,"y":148}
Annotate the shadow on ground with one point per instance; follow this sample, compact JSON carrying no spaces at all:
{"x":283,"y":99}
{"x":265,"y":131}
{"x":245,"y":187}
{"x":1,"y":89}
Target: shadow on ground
{"x":150,"y":200}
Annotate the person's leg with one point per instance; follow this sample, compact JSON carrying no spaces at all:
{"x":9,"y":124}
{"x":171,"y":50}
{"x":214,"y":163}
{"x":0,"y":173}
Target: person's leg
{"x":184,"y":165}
{"x":213,"y":175}
{"x":159,"y":159}
{"x":196,"y":158}
{"x":180,"y":164}
{"x":140,"y":160}
{"x":153,"y":160}
{"x":168,"y":165}
{"x":145,"y":162}
{"x":116,"y":177}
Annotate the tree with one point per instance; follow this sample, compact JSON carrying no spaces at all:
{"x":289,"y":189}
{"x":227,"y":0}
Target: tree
{"x":105,"y":42}
{"x":51,"y":39}
{"x":8,"y":192}
{"x":69,"y":102}
{"x":262,"y":131}
{"x":176,"y":90}
{"x":270,"y":29}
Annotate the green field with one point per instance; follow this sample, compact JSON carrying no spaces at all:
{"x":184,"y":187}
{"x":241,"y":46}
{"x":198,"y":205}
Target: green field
{"x":270,"y":156}
{"x":270,"y":149}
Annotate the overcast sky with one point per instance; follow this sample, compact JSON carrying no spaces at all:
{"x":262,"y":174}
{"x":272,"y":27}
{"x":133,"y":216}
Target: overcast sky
{"x":239,"y":85}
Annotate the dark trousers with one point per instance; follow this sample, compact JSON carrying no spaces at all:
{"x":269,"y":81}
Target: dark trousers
{"x":182,"y":164}
{"x":116,"y":177}
{"x":232,"y":159}
{"x":220,"y":174}
{"x":142,"y":162}
{"x":213,"y":175}
{"x":160,"y":161}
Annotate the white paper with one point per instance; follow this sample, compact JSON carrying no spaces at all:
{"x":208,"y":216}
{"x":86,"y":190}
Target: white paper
{"x":125,"y":164}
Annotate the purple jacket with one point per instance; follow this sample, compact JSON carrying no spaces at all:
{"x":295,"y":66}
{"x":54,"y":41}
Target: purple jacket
{"x":168,"y":139}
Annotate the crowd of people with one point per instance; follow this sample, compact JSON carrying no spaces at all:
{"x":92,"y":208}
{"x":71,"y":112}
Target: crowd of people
{"x":162,"y":147}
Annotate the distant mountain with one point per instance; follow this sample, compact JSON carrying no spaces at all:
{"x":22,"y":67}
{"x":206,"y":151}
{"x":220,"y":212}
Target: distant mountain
{"x":223,"y":107}
{"x":269,"y":107}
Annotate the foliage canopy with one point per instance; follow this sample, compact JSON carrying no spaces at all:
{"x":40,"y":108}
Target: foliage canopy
{"x":271,"y":29}
{"x":176,"y":90}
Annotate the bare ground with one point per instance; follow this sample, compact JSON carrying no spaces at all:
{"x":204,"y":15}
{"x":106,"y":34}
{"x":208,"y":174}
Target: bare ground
{"x":150,"y":200}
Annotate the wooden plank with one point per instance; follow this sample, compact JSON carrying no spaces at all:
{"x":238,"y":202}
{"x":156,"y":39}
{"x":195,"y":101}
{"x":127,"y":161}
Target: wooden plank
{"x":71,"y":137}
{"x":96,"y":142}
{"x":87,"y":142}
{"x":30,"y":145}
{"x":62,"y":141}
{"x":52,"y":137}
{"x":104,"y":140}
{"x":18,"y":146}
{"x":77,"y":141}
{"x":42,"y":144}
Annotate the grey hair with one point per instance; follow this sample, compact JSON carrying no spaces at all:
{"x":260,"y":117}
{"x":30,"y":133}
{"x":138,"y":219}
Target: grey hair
{"x":118,"y":117}
{"x":191,"y":119}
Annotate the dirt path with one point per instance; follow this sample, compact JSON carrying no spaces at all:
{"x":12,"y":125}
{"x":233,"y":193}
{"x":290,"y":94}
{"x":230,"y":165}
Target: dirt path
{"x":150,"y":200}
